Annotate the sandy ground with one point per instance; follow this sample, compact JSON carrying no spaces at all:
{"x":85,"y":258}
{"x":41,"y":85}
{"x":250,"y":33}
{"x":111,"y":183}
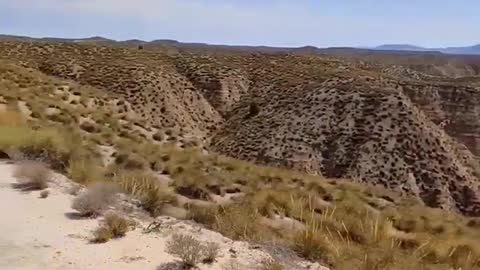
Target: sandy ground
{"x":40,"y":234}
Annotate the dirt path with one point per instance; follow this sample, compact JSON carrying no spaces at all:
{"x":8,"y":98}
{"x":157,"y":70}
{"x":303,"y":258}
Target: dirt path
{"x":38,"y":234}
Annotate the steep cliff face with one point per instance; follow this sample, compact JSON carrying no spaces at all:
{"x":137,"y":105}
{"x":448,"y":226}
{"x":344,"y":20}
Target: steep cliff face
{"x":454,"y":107}
{"x":360,"y":129}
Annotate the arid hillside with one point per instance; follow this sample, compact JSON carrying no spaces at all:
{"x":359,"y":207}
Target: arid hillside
{"x":323,"y":159}
{"x":372,"y":123}
{"x":433,"y":63}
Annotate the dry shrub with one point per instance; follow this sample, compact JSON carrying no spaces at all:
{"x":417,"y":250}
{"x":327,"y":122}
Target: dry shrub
{"x":117,"y":224}
{"x":44,"y":194}
{"x":32,"y":175}
{"x":114,"y":226}
{"x":102,"y":235}
{"x":187,"y":248}
{"x":74,"y":189}
{"x":96,"y":199}
{"x":210,"y":252}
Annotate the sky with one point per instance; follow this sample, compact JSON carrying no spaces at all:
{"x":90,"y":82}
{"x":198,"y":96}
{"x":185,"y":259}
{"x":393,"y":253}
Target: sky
{"x":321,"y":23}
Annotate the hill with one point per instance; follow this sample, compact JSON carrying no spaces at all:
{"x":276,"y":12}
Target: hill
{"x":273,"y":138}
{"x":467,"y":50}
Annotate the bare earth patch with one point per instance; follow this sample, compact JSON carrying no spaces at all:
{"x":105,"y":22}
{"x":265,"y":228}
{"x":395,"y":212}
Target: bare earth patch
{"x":37,"y":234}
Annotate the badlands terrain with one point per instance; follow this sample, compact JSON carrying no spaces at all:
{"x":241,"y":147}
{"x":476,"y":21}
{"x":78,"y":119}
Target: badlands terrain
{"x":302,"y":159}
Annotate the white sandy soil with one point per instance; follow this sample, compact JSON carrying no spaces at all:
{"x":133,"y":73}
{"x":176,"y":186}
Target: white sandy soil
{"x":41,"y":234}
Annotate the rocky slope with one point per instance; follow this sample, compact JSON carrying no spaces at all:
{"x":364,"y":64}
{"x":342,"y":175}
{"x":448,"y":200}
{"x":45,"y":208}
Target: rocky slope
{"x":309,"y":112}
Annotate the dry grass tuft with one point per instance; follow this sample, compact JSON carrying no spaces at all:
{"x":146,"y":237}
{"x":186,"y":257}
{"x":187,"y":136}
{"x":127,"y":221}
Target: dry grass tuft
{"x":102,"y":235}
{"x":117,"y":224}
{"x":310,"y":243}
{"x":114,"y":226}
{"x":32,"y":175}
{"x":84,"y":172}
{"x":146,"y":187}
{"x":238,"y":222}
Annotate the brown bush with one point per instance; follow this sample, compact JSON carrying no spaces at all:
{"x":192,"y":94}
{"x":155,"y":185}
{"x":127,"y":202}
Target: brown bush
{"x":102,"y":235}
{"x":32,"y":175}
{"x":113,"y":226}
{"x":117,"y":224}
{"x":187,"y":248}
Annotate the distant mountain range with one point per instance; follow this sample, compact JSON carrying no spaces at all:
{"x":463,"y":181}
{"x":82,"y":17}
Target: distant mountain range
{"x":469,"y":50}
{"x":447,"y":50}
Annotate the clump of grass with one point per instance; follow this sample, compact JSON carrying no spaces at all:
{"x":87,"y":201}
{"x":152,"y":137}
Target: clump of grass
{"x":187,"y":248}
{"x":114,"y":226}
{"x":96,"y":199}
{"x":117,"y":224}
{"x":32,"y":175}
{"x":84,"y":171}
{"x":102,"y":235}
{"x":202,"y":214}
{"x":238,"y":222}
{"x":145,"y":187}
{"x":310,"y":243}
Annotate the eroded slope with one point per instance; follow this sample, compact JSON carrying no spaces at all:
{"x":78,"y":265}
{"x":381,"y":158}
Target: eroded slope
{"x":311,"y":113}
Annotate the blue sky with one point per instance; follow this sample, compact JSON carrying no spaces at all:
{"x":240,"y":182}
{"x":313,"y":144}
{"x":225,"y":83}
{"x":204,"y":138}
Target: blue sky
{"x":248,"y":22}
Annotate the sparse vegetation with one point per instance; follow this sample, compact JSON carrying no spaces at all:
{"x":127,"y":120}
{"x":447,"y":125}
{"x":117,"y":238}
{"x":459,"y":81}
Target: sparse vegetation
{"x":345,"y":225}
